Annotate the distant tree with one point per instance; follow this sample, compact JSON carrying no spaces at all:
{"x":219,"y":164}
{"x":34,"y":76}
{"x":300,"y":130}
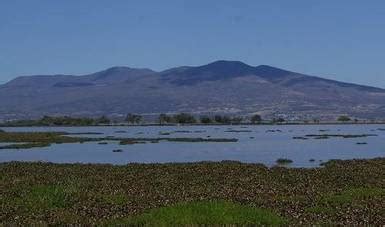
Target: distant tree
{"x":343,"y":118}
{"x":205,"y":120}
{"x":47,"y":120}
{"x":222,"y":119}
{"x":278,"y":120}
{"x":218,"y":119}
{"x":184,"y":118}
{"x":103,"y":120}
{"x":236,"y":120}
{"x":133,"y":118}
{"x":256,"y":119}
{"x":164,"y":118}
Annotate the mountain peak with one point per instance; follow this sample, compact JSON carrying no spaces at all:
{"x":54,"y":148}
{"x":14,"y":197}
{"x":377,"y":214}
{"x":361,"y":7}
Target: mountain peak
{"x":227,"y":63}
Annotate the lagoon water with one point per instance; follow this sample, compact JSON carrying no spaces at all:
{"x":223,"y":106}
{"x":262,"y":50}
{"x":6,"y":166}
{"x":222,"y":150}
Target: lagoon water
{"x":256,"y":144}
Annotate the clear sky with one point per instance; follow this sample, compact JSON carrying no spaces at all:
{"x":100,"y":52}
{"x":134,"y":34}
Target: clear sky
{"x":343,"y":40}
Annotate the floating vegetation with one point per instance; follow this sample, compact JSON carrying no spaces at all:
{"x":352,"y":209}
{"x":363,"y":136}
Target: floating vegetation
{"x":273,"y":130}
{"x":300,"y":138}
{"x":164,"y":133}
{"x":101,"y":194}
{"x":120,"y":131}
{"x":129,"y":142}
{"x":187,"y":139}
{"x":361,"y":143}
{"x":36,"y":139}
{"x":25,"y":145}
{"x":311,"y":160}
{"x":82,"y":133}
{"x":283,"y":161}
{"x":233,"y":130}
{"x":346,"y":136}
{"x":102,"y":143}
{"x":117,"y":150}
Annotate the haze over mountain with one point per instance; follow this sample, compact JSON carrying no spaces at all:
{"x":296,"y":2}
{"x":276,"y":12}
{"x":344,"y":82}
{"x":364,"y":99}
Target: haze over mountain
{"x":226,"y":87}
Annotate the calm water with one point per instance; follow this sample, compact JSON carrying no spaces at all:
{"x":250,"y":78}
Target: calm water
{"x":263,"y":144}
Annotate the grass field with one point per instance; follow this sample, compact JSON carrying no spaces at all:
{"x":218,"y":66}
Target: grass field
{"x":340,"y":193}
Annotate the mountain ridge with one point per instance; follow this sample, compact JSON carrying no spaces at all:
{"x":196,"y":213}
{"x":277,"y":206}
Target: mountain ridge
{"x":229,"y":87}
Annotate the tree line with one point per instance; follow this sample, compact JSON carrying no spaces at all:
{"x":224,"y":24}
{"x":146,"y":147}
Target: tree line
{"x":185,"y":118}
{"x":162,"y":119}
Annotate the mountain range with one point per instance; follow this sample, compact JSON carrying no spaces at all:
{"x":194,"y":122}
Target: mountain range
{"x":221,"y":87}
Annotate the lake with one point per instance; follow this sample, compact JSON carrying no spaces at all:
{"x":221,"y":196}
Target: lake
{"x":256,"y":144}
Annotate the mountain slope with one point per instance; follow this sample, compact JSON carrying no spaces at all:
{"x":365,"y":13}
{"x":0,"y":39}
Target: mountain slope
{"x":230,"y":87}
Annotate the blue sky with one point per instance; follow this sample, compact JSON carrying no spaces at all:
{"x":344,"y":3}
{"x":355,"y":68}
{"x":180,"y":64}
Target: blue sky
{"x":343,"y":40}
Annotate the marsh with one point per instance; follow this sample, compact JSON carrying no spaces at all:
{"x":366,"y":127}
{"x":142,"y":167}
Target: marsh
{"x":165,"y":144}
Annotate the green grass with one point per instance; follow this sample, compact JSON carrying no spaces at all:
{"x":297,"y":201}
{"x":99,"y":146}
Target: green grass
{"x":353,"y":194}
{"x":330,"y":203}
{"x":116,"y":199}
{"x":44,"y":197}
{"x":217,"y":212}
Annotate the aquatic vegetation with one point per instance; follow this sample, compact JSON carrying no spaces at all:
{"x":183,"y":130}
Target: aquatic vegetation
{"x":82,"y":133}
{"x":25,"y":145}
{"x":164,"y":133}
{"x":43,"y":139}
{"x":199,"y":131}
{"x":233,"y":130}
{"x":117,"y":150}
{"x":129,"y":142}
{"x":169,"y":139}
{"x":273,"y":130}
{"x":341,"y":193}
{"x":34,"y":137}
{"x":361,"y":143}
{"x":283,"y":161}
{"x":102,"y":143}
{"x":300,"y":138}
{"x":339,"y":135}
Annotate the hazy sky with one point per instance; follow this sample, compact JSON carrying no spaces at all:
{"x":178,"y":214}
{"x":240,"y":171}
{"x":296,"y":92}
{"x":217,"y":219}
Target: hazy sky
{"x":343,"y":40}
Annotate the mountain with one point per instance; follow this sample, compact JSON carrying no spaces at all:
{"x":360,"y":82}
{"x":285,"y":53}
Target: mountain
{"x":226,"y":87}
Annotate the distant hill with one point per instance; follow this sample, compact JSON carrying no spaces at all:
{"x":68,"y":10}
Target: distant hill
{"x":226,"y":87}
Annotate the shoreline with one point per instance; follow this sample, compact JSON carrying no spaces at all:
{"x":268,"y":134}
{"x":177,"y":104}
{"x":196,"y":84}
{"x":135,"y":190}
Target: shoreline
{"x":187,"y":125}
{"x":321,"y":165}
